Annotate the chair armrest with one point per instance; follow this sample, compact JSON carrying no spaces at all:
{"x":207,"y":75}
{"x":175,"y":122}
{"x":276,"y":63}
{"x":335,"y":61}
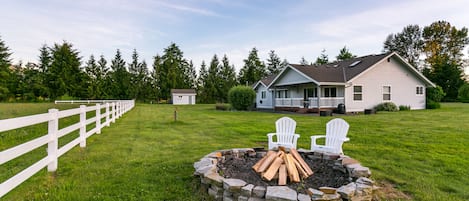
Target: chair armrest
{"x":346,"y":139}
{"x":314,"y":138}
{"x":271,"y":134}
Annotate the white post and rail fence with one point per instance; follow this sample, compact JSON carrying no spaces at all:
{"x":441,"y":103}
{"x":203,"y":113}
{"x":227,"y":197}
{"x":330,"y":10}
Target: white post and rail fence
{"x":113,"y":110}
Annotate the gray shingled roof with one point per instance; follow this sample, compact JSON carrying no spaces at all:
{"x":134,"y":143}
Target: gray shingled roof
{"x":268,"y":79}
{"x":339,"y":71}
{"x":183,"y":91}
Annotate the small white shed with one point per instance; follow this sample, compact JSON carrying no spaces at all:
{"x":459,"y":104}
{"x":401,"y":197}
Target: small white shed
{"x":183,"y":96}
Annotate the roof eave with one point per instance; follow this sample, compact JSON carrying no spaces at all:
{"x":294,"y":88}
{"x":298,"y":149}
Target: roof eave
{"x":296,"y":70}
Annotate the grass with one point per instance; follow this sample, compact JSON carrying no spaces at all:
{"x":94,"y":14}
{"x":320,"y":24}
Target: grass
{"x":146,"y":155}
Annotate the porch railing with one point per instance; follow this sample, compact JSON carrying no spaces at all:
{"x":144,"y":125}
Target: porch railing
{"x":311,"y":102}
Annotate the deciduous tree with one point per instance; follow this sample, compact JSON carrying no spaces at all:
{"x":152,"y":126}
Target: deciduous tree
{"x":408,"y":44}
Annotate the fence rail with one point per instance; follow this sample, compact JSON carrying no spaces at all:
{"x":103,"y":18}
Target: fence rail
{"x":113,"y":110}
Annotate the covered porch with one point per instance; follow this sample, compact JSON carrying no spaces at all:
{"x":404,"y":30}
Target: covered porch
{"x":310,"y":103}
{"x":309,"y":95}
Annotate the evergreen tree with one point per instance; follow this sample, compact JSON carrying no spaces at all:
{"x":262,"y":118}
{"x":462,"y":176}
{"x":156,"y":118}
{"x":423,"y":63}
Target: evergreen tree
{"x":103,"y":78}
{"x":201,"y":82}
{"x":344,"y":54}
{"x":192,"y":75}
{"x":92,"y":70}
{"x":443,"y":46}
{"x":31,"y":83}
{"x":407,"y":44}
{"x":158,"y":76}
{"x":274,"y":63}
{"x":4,"y":70}
{"x":228,"y":79}
{"x":322,"y":59}
{"x":284,"y":64}
{"x":135,"y":81}
{"x":253,"y":69}
{"x":212,"y":83}
{"x":142,"y":82}
{"x":173,"y":66}
{"x":45,"y":60}
{"x":64,"y":75}
{"x":120,"y":78}
{"x":303,"y":61}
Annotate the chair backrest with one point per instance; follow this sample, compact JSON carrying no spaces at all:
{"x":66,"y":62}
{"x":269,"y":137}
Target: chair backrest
{"x":285,"y":127}
{"x":336,"y":129}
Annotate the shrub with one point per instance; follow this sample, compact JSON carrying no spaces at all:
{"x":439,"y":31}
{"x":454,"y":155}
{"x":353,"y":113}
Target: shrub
{"x":463,"y":93}
{"x":222,"y":107}
{"x":435,"y":94}
{"x":387,"y":106}
{"x":433,"y":105}
{"x":241,"y":97}
{"x":404,"y":107}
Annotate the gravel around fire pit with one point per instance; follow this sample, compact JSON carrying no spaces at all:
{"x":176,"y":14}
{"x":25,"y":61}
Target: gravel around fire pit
{"x":324,"y":174}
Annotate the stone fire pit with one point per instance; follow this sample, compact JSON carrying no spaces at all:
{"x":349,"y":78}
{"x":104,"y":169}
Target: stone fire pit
{"x":227,"y":175}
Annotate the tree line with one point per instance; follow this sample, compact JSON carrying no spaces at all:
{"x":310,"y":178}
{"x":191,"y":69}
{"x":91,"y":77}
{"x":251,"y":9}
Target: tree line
{"x":60,"y":73}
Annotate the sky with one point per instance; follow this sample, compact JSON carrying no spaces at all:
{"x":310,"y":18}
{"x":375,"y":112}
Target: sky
{"x":202,"y":28}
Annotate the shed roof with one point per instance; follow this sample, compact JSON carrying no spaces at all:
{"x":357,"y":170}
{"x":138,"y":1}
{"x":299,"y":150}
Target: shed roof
{"x":183,"y":91}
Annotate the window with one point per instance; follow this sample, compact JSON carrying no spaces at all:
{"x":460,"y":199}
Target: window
{"x":386,"y":93}
{"x":263,"y":95}
{"x":330,"y":92}
{"x":310,"y":93}
{"x":281,"y":94}
{"x":419,"y":90}
{"x":357,"y":93}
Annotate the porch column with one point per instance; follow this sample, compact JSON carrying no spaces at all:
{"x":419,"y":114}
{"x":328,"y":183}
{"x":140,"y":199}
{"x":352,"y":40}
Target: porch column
{"x":319,"y":96}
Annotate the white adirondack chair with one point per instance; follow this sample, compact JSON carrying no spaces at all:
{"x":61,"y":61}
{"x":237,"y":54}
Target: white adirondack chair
{"x":336,"y":132}
{"x":285,"y":135}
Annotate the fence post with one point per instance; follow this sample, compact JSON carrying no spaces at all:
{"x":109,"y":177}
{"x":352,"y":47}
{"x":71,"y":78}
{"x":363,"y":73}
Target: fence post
{"x":98,"y":118}
{"x":82,"y":125}
{"x":107,"y":115}
{"x":53,"y":144}
{"x":113,"y":112}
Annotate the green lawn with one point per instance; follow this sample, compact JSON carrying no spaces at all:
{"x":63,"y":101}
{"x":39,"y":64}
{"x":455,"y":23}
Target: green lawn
{"x":145,"y":155}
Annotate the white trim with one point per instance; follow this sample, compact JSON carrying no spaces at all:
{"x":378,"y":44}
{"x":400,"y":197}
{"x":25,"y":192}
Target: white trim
{"x":333,"y":83}
{"x":257,"y":83}
{"x":296,"y":70}
{"x":390,"y":93}
{"x":423,"y":90}
{"x":329,"y":87}
{"x":402,"y":60}
{"x":353,"y":93}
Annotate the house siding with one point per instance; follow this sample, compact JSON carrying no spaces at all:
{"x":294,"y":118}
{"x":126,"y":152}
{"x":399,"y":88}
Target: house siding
{"x":265,"y":103}
{"x":291,"y":77}
{"x":402,"y":81}
{"x":183,"y":99}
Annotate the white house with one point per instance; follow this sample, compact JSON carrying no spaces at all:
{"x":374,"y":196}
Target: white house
{"x":359,"y":83}
{"x":183,"y":96}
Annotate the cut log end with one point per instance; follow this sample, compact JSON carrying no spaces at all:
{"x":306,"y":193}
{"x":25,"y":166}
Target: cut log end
{"x":282,"y":166}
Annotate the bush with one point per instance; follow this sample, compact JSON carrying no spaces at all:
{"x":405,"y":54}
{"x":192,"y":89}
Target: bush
{"x":435,"y":94}
{"x":433,"y":105}
{"x":222,"y":107}
{"x":463,"y":93}
{"x":388,"y":106}
{"x":404,"y":107}
{"x":241,"y":97}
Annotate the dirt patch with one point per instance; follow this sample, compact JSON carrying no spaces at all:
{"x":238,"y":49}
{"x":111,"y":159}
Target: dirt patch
{"x":324,"y":173}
